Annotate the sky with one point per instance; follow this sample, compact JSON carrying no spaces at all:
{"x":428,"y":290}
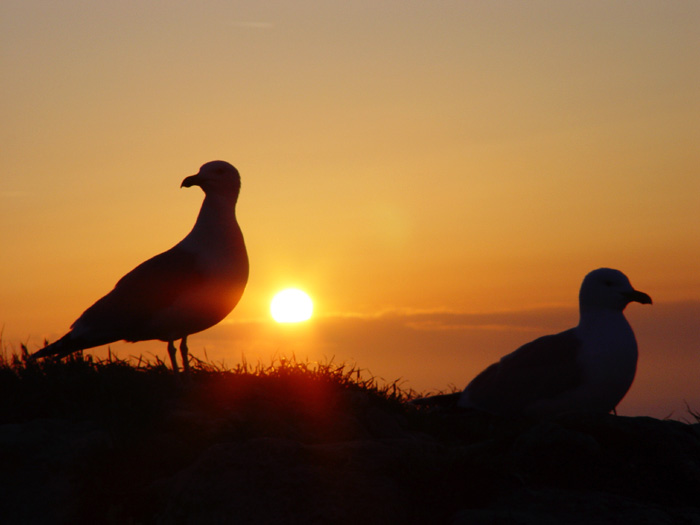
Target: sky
{"x":438,"y":176}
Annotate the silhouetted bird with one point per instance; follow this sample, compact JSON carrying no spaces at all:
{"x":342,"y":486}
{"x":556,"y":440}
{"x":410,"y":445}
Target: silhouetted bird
{"x":587,"y":368}
{"x":184,"y":290}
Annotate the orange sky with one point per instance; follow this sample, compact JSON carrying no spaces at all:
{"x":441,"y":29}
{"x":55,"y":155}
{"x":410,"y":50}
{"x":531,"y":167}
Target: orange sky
{"x":398,"y":159}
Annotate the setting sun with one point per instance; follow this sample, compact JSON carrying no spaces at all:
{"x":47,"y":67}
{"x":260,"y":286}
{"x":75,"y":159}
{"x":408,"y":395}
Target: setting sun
{"x":291,"y":306}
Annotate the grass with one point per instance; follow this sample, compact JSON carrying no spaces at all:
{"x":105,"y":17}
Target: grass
{"x":133,"y":392}
{"x":141,"y":424}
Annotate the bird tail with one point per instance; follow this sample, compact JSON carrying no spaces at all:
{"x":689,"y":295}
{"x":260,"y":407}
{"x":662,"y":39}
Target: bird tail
{"x":61,"y":348}
{"x":442,"y":400}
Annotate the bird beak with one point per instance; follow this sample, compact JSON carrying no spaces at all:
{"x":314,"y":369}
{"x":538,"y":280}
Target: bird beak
{"x":637,"y":297}
{"x":192,"y":180}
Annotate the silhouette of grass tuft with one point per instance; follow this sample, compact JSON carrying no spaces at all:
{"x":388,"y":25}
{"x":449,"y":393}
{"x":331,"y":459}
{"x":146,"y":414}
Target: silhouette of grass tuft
{"x":130,"y":392}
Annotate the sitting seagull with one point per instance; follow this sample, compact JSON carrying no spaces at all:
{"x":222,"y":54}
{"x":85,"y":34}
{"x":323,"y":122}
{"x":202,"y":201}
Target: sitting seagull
{"x":182,"y":291}
{"x":587,"y":368}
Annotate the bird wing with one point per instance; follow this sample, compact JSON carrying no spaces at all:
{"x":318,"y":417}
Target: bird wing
{"x":541,"y":369}
{"x":127,"y":311}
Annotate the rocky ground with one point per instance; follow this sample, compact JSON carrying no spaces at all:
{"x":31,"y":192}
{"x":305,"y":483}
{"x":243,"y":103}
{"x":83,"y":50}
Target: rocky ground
{"x":110,"y":443}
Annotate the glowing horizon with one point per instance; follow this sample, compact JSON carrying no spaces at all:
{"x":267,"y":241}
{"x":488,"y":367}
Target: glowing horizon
{"x":475,"y":158}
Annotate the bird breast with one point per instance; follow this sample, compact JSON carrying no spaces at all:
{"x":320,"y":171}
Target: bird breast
{"x":609,"y":360}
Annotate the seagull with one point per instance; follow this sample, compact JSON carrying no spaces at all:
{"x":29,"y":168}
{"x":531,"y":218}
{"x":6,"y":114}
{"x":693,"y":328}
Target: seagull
{"x":187,"y":289}
{"x":587,"y":368}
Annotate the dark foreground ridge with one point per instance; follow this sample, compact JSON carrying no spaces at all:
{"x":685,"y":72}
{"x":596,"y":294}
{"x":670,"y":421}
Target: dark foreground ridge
{"x":108,"y":442}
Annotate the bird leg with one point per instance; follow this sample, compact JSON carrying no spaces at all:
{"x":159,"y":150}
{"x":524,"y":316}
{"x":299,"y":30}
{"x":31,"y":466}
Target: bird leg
{"x":173,"y":358}
{"x":183,"y":353}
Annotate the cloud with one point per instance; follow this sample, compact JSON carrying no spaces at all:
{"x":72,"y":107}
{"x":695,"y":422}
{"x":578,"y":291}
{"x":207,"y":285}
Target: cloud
{"x":252,"y":25}
{"x":521,"y":321}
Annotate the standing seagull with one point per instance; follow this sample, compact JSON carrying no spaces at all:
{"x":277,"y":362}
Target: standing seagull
{"x":182,"y":291}
{"x":587,"y":368}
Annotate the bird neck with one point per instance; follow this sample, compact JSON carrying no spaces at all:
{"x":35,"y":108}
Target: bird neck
{"x":591,"y":318}
{"x":214,"y":222}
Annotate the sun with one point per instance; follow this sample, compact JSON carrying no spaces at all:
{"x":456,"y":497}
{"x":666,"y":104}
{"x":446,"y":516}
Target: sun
{"x":291,"y":306}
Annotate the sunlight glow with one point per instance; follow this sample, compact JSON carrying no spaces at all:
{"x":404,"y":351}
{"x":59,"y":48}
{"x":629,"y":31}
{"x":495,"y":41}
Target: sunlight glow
{"x":291,"y":306}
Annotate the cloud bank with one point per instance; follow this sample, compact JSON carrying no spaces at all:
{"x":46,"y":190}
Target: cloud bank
{"x":430,"y":351}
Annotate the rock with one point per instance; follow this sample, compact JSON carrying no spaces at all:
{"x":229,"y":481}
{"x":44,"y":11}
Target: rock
{"x":281,"y":481}
{"x":296,"y":447}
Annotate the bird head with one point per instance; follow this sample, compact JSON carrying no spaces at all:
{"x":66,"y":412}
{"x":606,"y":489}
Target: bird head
{"x":608,"y":289}
{"x":217,"y":176}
